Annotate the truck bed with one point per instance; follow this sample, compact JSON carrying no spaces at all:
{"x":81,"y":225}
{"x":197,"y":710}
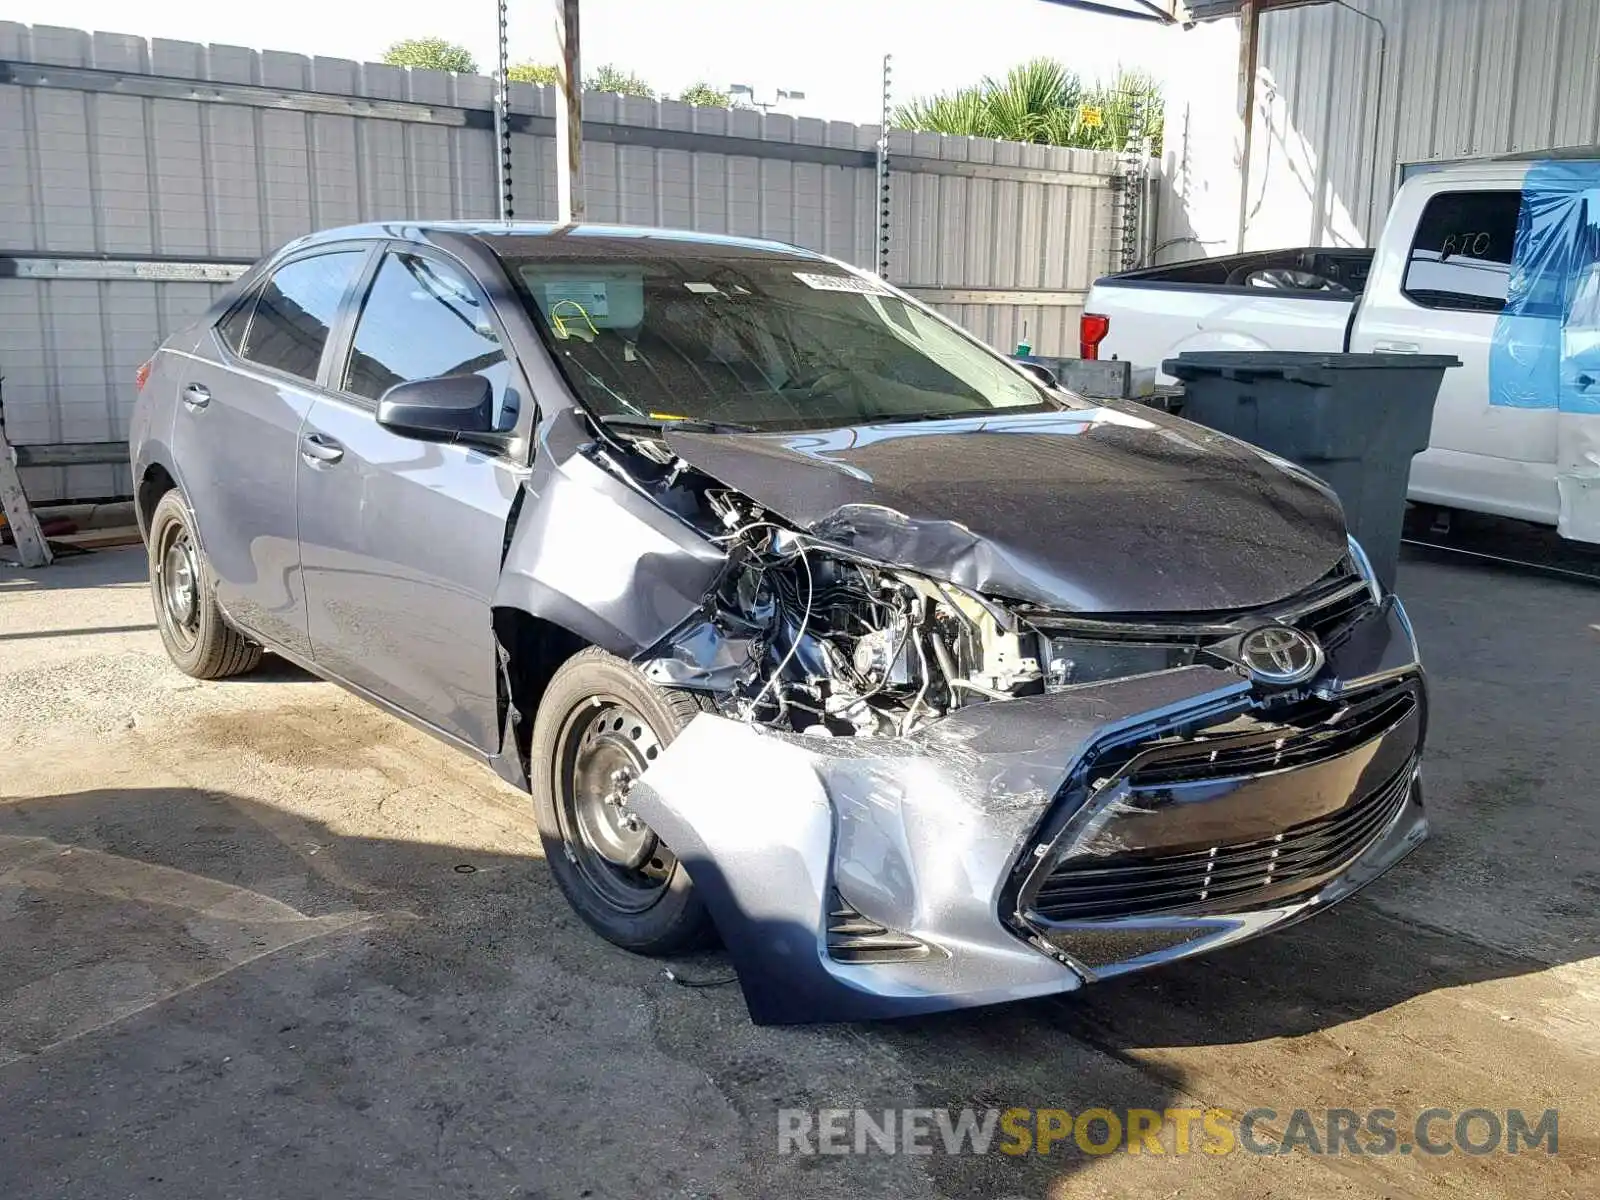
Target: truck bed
{"x":1297,"y":299}
{"x":1339,"y":271}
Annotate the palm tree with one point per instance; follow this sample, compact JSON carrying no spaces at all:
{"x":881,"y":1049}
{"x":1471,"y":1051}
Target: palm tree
{"x":1042,"y":101}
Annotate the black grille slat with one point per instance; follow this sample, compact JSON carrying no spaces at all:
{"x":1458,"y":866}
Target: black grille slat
{"x":1278,"y":746}
{"x":1224,"y":878}
{"x":1308,"y":837}
{"x":1332,"y":621}
{"x":1133,"y":885}
{"x":854,"y":938}
{"x":1288,"y":857}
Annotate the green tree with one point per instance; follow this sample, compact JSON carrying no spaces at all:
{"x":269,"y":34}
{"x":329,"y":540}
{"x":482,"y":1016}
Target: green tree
{"x":610,"y":78}
{"x":703,"y":95}
{"x":434,"y":53}
{"x":531,"y":72}
{"x":1044,"y":102}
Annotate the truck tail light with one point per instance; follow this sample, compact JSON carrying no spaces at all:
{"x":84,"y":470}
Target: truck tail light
{"x":1092,"y":330}
{"x":141,"y":374}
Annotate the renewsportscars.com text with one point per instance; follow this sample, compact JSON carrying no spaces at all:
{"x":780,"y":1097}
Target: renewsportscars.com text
{"x":1212,"y":1131}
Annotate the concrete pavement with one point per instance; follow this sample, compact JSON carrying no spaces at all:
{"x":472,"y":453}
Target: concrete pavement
{"x":258,"y":939}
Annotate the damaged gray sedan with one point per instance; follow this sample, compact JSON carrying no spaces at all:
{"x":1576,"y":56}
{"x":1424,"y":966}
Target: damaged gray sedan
{"x":807,"y":620}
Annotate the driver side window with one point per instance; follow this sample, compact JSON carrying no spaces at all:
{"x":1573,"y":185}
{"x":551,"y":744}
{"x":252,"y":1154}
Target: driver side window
{"x":421,"y":319}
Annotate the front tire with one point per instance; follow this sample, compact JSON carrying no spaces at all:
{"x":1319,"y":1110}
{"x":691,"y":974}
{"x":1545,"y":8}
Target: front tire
{"x":197,"y":636}
{"x":600,"y":724}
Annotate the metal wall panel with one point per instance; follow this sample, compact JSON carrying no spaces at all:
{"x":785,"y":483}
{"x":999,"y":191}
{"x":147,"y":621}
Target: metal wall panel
{"x":166,"y":165}
{"x":1461,"y":79}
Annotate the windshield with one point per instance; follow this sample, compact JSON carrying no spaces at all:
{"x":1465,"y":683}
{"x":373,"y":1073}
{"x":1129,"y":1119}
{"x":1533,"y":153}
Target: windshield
{"x":764,"y":343}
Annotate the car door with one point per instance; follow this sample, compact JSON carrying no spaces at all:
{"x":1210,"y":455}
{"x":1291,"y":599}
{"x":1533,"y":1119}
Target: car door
{"x":1493,"y":443}
{"x":400,"y":539}
{"x":236,"y":436}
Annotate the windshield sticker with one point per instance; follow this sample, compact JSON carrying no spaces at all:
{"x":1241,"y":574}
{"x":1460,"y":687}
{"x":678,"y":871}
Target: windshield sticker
{"x":589,"y":295}
{"x":704,"y":289}
{"x":843,"y":283}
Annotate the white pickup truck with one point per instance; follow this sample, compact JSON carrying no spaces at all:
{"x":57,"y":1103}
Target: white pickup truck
{"x":1516,"y":429}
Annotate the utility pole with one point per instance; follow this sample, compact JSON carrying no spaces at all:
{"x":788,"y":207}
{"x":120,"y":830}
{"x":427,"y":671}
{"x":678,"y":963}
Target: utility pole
{"x":569,"y":117}
{"x":1249,"y":55}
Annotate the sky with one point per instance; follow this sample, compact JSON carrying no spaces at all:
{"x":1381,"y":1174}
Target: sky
{"x":829,"y":49}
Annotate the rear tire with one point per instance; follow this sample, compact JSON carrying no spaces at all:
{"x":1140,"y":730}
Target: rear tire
{"x":197,"y":636}
{"x":600,"y":724}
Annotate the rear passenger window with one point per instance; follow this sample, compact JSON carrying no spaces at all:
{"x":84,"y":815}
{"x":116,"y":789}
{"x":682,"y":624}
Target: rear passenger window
{"x":422,"y":319}
{"x":296,"y":309}
{"x":1461,"y":258}
{"x":232,"y":327}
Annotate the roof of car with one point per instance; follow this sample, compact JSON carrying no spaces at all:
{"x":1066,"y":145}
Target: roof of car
{"x":536,"y":239}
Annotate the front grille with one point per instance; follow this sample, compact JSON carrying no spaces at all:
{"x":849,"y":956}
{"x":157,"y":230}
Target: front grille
{"x":1310,"y":732}
{"x":1328,"y":610}
{"x":852,"y":938}
{"x":1225,"y":878}
{"x":1333,"y":617}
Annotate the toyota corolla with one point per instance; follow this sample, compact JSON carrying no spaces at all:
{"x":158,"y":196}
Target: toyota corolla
{"x":807,"y":621}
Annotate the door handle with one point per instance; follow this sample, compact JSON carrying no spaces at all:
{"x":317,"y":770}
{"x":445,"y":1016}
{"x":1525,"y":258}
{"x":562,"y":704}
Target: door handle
{"x":1396,"y":347}
{"x":196,"y":396}
{"x":1585,"y":381}
{"x":318,"y":448}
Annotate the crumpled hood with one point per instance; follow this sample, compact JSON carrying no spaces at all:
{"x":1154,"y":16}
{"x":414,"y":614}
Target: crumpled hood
{"x":1095,"y":510}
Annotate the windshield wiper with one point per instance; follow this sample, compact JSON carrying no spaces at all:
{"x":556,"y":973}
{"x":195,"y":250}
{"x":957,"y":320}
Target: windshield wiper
{"x":659,"y":424}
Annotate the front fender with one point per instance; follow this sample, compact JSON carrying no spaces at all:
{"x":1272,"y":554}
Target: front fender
{"x":593,"y":555}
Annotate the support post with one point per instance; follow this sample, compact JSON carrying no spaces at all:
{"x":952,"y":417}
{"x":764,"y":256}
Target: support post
{"x":1249,"y":50}
{"x":502,"y":119}
{"x":884,"y":210}
{"x":569,"y":117}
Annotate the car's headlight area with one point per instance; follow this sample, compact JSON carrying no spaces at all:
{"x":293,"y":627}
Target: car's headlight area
{"x":1068,"y":661}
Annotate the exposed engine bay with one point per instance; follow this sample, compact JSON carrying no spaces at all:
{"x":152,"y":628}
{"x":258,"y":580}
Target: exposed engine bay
{"x":802,"y":635}
{"x":841,"y":647}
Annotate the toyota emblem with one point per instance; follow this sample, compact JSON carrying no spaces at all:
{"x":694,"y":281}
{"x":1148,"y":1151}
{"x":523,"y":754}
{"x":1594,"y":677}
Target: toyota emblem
{"x":1280,"y":654}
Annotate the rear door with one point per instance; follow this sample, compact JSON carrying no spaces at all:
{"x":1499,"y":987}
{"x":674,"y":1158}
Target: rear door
{"x":400,"y":540}
{"x":1439,"y":287}
{"x":236,"y":435}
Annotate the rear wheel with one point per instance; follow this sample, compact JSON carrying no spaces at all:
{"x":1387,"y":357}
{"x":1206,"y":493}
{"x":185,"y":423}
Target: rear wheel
{"x":600,"y":725}
{"x":197,"y":636}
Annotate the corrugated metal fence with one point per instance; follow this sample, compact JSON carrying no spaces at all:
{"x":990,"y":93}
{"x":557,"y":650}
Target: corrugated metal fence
{"x":131,"y":171}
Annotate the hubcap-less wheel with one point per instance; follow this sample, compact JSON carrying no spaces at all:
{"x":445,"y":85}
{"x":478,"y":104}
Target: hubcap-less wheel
{"x":180,"y":585}
{"x":605,"y":746}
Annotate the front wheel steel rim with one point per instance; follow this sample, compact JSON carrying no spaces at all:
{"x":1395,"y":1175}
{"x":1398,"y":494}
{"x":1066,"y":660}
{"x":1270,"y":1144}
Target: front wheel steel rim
{"x":605,"y":746}
{"x":178,"y":585}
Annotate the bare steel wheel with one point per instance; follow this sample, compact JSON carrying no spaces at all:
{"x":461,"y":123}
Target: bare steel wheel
{"x":178,"y":580}
{"x":605,"y":746}
{"x":600,"y":725}
{"x":197,"y":636}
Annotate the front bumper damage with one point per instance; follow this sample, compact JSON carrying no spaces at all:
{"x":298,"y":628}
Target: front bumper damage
{"x":1025,"y":847}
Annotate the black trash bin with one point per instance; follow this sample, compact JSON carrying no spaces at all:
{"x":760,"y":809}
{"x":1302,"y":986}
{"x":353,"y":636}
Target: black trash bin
{"x":1354,"y":420}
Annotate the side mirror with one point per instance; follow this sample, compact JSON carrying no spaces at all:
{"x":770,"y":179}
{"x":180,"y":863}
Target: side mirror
{"x":448,"y":408}
{"x":1039,"y":371}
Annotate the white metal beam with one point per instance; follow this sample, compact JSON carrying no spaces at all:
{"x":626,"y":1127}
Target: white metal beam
{"x":1168,"y":12}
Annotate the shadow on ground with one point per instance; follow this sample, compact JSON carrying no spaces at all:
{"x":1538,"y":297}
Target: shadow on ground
{"x":424,"y":1017}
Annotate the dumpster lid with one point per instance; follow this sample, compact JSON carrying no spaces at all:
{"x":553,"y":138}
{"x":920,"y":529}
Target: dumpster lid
{"x":1302,"y":366}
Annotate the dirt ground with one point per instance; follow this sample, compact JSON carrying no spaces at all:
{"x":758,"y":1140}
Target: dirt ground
{"x":259,"y":940}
